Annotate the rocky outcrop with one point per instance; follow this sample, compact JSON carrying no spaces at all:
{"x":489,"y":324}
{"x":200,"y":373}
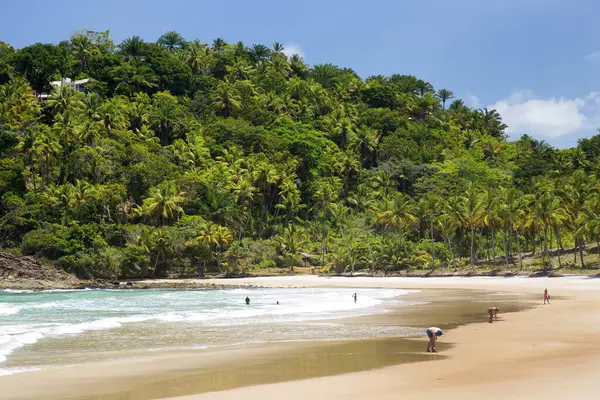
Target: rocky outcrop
{"x":28,"y":273}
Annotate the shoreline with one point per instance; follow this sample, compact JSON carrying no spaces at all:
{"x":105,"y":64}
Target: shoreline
{"x":473,"y":357}
{"x":217,"y":282}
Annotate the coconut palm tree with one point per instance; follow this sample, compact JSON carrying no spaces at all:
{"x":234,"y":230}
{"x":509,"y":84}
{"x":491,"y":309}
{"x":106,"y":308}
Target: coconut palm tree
{"x":133,"y":48}
{"x":278,"y":47}
{"x":472,"y":207}
{"x":258,"y":53}
{"x":339,"y":214}
{"x":444,"y":95}
{"x":171,"y":40}
{"x":447,"y":226}
{"x":430,"y":204}
{"x":83,"y":49}
{"x":163,"y":202}
{"x":325,"y":195}
{"x":196,"y":57}
{"x":398,"y":213}
{"x":62,"y":198}
{"x":226,"y":99}
{"x":220,"y":206}
{"x":83,"y":193}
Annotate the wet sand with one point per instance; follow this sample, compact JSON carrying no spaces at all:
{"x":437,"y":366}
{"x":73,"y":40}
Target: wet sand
{"x":548,"y":352}
{"x":176,"y":373}
{"x":522,"y":362}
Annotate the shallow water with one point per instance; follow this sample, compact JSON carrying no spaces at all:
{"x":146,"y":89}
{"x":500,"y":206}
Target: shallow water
{"x":64,"y":327}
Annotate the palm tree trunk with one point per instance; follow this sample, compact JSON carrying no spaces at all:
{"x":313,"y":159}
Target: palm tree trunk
{"x":432,"y":247}
{"x":451,"y":253}
{"x":519,"y":250}
{"x":472,"y":246}
{"x":546,"y":256}
{"x":510,"y":236}
{"x":347,"y":248}
{"x":559,"y":245}
{"x":370,"y":255}
{"x":505,"y":252}
{"x":323,"y":242}
{"x":581,"y":253}
{"x":487,"y":248}
{"x":494,"y":245}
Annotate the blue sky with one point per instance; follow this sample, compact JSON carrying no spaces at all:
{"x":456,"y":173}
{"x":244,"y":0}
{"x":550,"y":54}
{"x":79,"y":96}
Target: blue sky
{"x":536,"y":61}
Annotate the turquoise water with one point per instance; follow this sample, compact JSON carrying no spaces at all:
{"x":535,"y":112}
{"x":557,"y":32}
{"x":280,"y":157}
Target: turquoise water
{"x":58,"y":327}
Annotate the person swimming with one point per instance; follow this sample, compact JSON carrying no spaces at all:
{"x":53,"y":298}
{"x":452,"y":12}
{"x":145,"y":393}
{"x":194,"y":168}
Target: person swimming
{"x":433,"y":333}
{"x":247,"y":300}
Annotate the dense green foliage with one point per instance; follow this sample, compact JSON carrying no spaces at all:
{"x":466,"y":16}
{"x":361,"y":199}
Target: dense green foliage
{"x":183,"y":157}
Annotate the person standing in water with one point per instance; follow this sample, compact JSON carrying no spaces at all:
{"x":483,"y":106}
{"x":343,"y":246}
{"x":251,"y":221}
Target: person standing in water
{"x":247,"y":300}
{"x":433,"y":333}
{"x":546,"y":296}
{"x":354,"y":296}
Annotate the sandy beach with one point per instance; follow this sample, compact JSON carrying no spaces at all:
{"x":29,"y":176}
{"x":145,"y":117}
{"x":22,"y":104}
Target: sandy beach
{"x":549,"y":352}
{"x":545,"y":352}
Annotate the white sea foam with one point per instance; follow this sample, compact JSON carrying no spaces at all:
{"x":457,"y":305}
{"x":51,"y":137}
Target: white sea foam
{"x":16,"y":291}
{"x":57,"y":313}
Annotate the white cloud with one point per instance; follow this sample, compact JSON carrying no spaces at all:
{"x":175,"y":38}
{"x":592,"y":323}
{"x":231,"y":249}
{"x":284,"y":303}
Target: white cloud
{"x":290,"y":49}
{"x":473,"y":101}
{"x":546,"y":118}
{"x":594,"y":56}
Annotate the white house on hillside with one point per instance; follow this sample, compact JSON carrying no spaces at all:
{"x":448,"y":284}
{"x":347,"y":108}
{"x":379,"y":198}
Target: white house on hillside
{"x":78,"y":85}
{"x":73,"y":85}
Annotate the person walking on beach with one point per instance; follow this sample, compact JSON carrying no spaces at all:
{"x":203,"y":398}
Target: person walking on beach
{"x":247,"y":300}
{"x":433,"y":334}
{"x":546,"y":296}
{"x":354,"y":296}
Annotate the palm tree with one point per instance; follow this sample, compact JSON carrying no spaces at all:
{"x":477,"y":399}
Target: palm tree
{"x":28,"y":147}
{"x":444,"y":95}
{"x":218,"y":45}
{"x":220,"y":206}
{"x":492,"y":123}
{"x":226,"y":99}
{"x":447,"y":225}
{"x":278,"y":47}
{"x":423,"y":88}
{"x":472,"y":207}
{"x":298,"y":66}
{"x":163,"y":202}
{"x":258,"y":52}
{"x":430,"y":204}
{"x":323,"y":197}
{"x":133,"y":47}
{"x":83,"y":49}
{"x":382,"y":182}
{"x":171,"y":40}
{"x":62,"y":198}
{"x":216,"y":237}
{"x":398,"y":213}
{"x":196,"y":56}
{"x":65,"y":99}
{"x":240,"y":71}
{"x":165,"y":116}
{"x":83,"y":193}
{"x":161,"y":246}
{"x":340,"y":214}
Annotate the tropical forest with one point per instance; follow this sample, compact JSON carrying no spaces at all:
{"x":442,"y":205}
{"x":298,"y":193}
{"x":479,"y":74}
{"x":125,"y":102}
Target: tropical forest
{"x":184,"y":158}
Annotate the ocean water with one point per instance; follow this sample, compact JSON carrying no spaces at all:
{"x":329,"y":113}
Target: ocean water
{"x":59,"y":327}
